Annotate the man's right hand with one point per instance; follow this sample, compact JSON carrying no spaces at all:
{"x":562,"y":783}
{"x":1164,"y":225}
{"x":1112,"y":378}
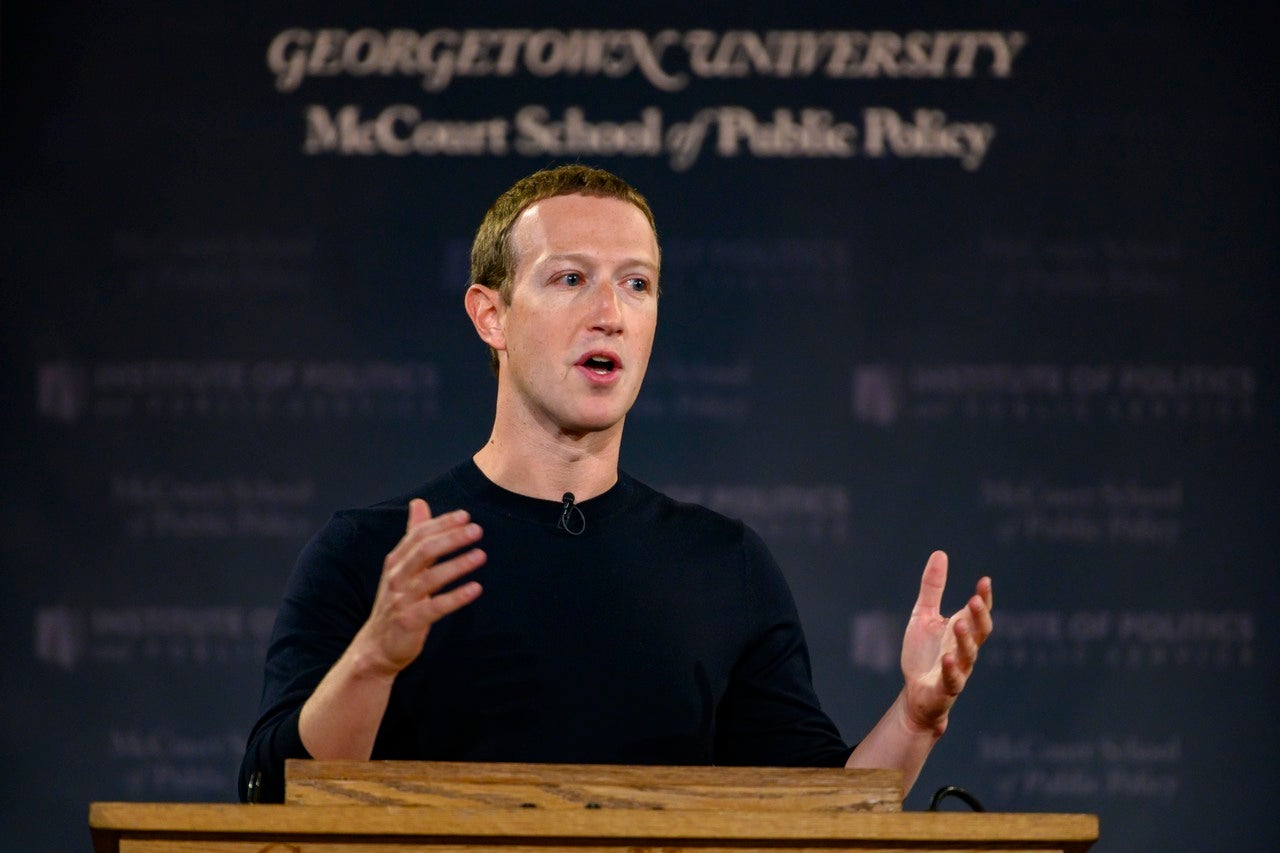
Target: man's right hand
{"x":409,"y":601}
{"x":342,"y":716}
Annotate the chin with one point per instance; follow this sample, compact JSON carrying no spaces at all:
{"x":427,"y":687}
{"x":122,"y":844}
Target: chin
{"x":590,"y":422}
{"x":590,"y":427}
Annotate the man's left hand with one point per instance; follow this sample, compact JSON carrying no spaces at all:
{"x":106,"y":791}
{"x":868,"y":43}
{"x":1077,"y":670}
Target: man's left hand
{"x":938,"y":653}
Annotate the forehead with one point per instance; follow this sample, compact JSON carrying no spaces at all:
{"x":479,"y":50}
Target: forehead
{"x":607,"y":228}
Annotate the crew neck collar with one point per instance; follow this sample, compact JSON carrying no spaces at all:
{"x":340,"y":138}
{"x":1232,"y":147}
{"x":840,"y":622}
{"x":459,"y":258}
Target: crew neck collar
{"x":599,"y":509}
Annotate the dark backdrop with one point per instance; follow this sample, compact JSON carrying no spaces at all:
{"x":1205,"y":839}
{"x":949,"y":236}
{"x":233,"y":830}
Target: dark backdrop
{"x":999,"y":280}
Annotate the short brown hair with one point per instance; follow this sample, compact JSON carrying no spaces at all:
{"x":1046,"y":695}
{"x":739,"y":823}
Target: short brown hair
{"x":493,"y":261}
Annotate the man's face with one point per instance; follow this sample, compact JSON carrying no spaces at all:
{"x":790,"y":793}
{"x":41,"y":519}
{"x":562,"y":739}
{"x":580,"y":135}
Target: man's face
{"x":584,"y":307}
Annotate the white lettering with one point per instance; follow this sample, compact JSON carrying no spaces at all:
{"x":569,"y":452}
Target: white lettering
{"x":814,"y":133}
{"x":440,"y":56}
{"x":574,"y":135}
{"x":928,"y":136}
{"x":400,"y":130}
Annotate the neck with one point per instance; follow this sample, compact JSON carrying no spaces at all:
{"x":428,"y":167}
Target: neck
{"x":544,"y":463}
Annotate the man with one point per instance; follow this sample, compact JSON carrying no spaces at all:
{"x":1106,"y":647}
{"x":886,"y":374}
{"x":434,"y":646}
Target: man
{"x":616,"y":625}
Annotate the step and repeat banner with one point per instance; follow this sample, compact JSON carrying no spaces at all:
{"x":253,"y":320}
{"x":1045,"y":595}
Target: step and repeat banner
{"x":999,"y":281}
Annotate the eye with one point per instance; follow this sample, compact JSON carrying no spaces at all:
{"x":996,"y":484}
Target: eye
{"x":639,"y":285}
{"x":572,"y":279}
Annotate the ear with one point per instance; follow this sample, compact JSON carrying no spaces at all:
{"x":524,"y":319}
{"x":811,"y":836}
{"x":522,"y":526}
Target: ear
{"x":487,"y":311}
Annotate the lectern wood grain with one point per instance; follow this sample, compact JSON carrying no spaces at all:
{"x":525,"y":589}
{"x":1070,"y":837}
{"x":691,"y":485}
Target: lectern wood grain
{"x":370,"y":807}
{"x":578,"y":786}
{"x":325,"y":829}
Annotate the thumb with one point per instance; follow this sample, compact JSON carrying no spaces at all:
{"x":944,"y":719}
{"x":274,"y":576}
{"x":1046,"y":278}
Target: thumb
{"x":418,"y":513}
{"x":933,"y":582}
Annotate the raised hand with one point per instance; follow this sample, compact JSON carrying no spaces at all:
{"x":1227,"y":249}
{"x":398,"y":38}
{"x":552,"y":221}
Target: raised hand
{"x":409,"y":601}
{"x":342,"y":717}
{"x":938,"y":653}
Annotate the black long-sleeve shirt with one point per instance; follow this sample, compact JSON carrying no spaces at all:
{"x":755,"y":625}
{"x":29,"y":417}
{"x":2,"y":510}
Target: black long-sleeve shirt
{"x":663,"y":634}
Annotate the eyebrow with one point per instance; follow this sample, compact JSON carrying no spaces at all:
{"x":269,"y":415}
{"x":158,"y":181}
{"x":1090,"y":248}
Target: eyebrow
{"x":587,"y":259}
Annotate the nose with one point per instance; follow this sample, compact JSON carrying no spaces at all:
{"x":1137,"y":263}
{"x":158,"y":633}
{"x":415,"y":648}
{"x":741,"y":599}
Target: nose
{"x":606,"y":312}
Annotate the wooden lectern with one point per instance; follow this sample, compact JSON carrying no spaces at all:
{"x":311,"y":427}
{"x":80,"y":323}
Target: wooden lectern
{"x":380,"y":806}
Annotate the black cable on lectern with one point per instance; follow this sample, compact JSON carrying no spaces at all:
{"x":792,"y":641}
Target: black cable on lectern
{"x":957,"y":792}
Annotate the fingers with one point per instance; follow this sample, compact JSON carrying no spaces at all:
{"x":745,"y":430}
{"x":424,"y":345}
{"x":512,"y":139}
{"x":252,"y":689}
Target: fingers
{"x":429,"y":582}
{"x":455,"y":599}
{"x":957,"y":665}
{"x":979,"y":611}
{"x":415,"y":573}
{"x":976,"y":616}
{"x":954,"y":676}
{"x":966,"y":652}
{"x":420,"y":598}
{"x":423,"y":527}
{"x":428,"y":549}
{"x":408,"y":601}
{"x":971,"y":628}
{"x":932,"y":583}
{"x":411,"y":575}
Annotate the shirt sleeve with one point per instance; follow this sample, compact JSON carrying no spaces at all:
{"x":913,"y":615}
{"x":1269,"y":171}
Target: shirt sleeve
{"x":770,"y":714}
{"x":328,"y":597}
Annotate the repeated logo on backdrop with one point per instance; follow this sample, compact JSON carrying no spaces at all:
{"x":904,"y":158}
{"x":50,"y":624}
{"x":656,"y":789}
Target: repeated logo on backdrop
{"x":997,"y":288}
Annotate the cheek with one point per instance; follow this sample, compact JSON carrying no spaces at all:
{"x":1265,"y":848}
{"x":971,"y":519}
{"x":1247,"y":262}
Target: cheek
{"x":649,"y":325}
{"x":541,"y":340}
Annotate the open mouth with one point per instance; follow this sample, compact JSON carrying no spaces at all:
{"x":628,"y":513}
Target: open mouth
{"x":601,"y":364}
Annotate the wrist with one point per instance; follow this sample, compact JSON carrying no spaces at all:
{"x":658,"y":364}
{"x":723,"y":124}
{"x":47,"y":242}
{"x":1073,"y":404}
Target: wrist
{"x":366,"y":661}
{"x":915,"y":722}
